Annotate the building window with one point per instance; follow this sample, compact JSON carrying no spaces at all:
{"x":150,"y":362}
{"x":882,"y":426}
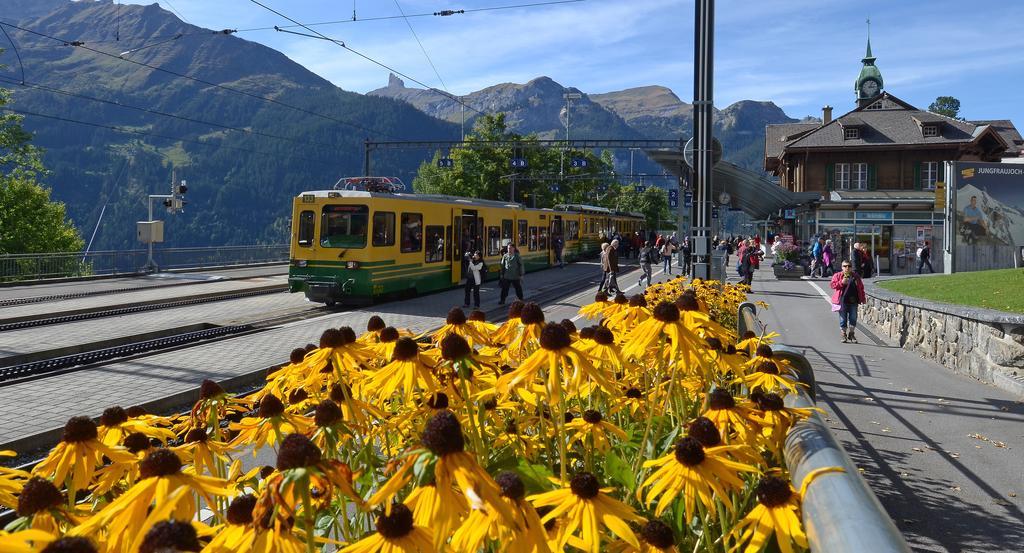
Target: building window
{"x":930,"y":130}
{"x":929,"y":174}
{"x":306,"y":223}
{"x":852,"y":176}
{"x":850,"y":133}
{"x":412,"y":232}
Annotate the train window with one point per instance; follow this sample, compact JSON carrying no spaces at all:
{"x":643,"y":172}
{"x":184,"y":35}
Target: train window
{"x":522,"y":233}
{"x":493,"y":241}
{"x":533,"y":238}
{"x":506,"y":232}
{"x":307,"y":220}
{"x":435,"y":243}
{"x":412,"y":232}
{"x":448,"y":242}
{"x":383,"y":228}
{"x":542,"y":243}
{"x":574,"y":230}
{"x":344,"y":226}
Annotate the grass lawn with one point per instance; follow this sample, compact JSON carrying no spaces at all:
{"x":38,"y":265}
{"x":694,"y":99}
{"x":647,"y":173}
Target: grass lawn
{"x":1002,"y":289}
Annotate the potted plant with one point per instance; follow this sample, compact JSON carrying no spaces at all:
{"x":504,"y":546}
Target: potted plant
{"x":785,"y":265}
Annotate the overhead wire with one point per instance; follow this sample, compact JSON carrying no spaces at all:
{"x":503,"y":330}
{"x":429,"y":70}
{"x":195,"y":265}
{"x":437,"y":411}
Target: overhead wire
{"x":251,"y":132}
{"x":424,"y":50}
{"x":124,"y":130}
{"x":82,"y":45}
{"x":16,"y":52}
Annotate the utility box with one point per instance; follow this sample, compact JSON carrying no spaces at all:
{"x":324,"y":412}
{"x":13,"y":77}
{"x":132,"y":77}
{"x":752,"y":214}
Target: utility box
{"x":150,"y":232}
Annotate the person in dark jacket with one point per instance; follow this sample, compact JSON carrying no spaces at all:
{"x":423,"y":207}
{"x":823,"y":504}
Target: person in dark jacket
{"x":924,"y":257}
{"x":610,"y":265}
{"x":848,"y":293}
{"x":511,"y":273}
{"x":646,"y":256}
{"x":475,"y":271}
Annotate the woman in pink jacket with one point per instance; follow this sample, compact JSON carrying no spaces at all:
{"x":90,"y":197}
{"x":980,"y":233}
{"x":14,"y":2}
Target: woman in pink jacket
{"x":848,"y":294}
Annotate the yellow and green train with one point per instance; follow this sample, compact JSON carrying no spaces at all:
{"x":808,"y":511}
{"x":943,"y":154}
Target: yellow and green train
{"x":352,"y":246}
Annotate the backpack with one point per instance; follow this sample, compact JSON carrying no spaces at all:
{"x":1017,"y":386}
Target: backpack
{"x":645,"y":255}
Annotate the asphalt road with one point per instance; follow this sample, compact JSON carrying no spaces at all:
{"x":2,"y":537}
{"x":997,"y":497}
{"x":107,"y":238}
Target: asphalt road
{"x":942,"y":451}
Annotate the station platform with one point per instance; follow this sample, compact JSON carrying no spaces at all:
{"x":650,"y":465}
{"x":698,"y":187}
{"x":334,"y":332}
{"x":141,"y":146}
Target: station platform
{"x":32,"y":413}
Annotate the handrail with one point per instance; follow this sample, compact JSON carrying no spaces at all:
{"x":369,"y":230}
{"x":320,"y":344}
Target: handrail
{"x":840,"y":513}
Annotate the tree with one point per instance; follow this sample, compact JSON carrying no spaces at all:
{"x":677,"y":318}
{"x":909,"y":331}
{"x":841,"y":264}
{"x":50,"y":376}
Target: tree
{"x":946,"y":105}
{"x":652,"y":203}
{"x":30,"y":222}
{"x":485,"y":172}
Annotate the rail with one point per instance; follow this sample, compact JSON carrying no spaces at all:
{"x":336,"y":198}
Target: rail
{"x":840,"y":513}
{"x":34,"y":266}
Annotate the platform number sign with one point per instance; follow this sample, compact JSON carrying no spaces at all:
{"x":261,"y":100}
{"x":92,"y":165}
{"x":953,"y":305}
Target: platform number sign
{"x":673,"y":198}
{"x":714,"y":212}
{"x":639,"y":189}
{"x":688,"y":199}
{"x":578,"y":163}
{"x":517,"y":163}
{"x":555,"y":188}
{"x":446,"y":163}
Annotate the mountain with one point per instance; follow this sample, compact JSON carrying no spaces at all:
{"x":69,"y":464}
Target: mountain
{"x":240,"y":183}
{"x":653,"y":112}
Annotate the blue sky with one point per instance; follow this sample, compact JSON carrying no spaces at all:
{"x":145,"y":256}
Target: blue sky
{"x":801,"y":54}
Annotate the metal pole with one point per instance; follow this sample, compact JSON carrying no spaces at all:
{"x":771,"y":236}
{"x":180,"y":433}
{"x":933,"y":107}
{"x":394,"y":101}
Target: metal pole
{"x":366,"y":157}
{"x":150,"y":264}
{"x":703,"y":54}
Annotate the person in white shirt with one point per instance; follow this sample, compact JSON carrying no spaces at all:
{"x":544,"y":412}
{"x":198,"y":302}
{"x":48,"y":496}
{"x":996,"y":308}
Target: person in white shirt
{"x":475,"y":271}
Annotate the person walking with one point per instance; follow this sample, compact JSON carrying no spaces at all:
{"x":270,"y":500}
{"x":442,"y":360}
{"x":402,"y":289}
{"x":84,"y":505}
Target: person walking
{"x":848,"y":294}
{"x":687,"y":256}
{"x":816,"y":260}
{"x":924,"y":257}
{"x":857,"y":259}
{"x":558,"y":245}
{"x":613,"y":267}
{"x":827,"y":257}
{"x":604,"y":267}
{"x":666,"y":256}
{"x":746,"y":263}
{"x":645,"y":255}
{"x":511,"y":273}
{"x":476,"y":269}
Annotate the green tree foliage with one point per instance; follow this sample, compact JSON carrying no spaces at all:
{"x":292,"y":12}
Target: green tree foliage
{"x":29,"y":221}
{"x":946,"y":105}
{"x":652,"y":203}
{"x":484,"y":171}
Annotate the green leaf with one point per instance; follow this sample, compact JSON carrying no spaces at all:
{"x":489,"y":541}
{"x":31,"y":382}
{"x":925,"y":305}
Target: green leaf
{"x":619,"y":471}
{"x":534,"y":476}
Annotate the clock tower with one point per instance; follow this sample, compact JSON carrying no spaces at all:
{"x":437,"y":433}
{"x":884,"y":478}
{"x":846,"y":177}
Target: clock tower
{"x":868,"y":85}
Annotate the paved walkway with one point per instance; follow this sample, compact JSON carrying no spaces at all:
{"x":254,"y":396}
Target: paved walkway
{"x":943,"y":452}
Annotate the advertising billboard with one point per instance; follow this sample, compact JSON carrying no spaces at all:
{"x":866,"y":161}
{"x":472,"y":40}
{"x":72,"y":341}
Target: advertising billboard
{"x":987,"y":206}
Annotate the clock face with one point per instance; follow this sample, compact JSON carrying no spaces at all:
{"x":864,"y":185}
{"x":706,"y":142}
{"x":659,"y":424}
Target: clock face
{"x":724,"y":198}
{"x":869,"y":88}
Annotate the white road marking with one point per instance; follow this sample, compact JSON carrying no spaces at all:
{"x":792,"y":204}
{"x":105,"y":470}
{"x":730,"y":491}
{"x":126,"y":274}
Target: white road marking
{"x":824,"y":294}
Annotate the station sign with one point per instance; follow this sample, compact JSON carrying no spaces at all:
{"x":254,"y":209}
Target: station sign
{"x":517,"y":163}
{"x":639,"y":189}
{"x":688,"y":199}
{"x":578,"y":162}
{"x":714,"y":212}
{"x":673,"y":198}
{"x":446,"y":163}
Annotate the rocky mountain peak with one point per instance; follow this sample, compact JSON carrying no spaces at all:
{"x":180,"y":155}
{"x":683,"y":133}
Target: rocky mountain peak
{"x":395,"y":82}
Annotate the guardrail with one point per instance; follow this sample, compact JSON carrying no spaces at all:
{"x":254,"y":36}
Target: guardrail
{"x":840,"y":513}
{"x":32,"y":266}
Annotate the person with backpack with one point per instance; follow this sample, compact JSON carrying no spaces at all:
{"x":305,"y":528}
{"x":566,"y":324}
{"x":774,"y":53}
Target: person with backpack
{"x":645,"y":258}
{"x":475,"y":271}
{"x":558,"y":245}
{"x":924,"y":257}
{"x":816,"y":260}
{"x":511,"y":273}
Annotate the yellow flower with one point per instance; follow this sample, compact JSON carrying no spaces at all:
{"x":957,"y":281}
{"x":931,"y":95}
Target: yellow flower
{"x":75,"y":459}
{"x":525,"y":536}
{"x":655,"y":537}
{"x":666,"y":322}
{"x":594,"y":310}
{"x":35,"y":541}
{"x":456,"y":323}
{"x":409,"y":371}
{"x":735,"y":420}
{"x":635,"y":313}
{"x":396,"y":533}
{"x":555,"y":351}
{"x":439,"y":509}
{"x":270,"y":425}
{"x":592,"y":427}
{"x":115,"y":426}
{"x":522,"y":340}
{"x":214,"y":405}
{"x":776,"y":419}
{"x":11,"y":481}
{"x":581,"y":506}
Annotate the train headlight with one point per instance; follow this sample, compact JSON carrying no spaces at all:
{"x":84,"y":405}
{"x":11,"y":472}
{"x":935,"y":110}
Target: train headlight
{"x":300,"y":262}
{"x":352,"y":265}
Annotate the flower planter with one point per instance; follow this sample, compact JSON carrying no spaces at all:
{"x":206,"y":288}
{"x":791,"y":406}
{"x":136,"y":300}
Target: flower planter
{"x":782,"y":273}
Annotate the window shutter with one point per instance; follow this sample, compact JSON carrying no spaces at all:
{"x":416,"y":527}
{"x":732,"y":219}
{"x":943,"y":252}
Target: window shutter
{"x":917,"y":175}
{"x":830,"y":176}
{"x":872,"y":177}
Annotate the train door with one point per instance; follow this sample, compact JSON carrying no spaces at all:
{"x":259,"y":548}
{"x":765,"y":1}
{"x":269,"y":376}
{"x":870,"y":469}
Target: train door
{"x":554,"y":235}
{"x":467,"y":233}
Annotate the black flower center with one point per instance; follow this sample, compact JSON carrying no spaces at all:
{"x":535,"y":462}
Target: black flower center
{"x":773,"y":491}
{"x":587,"y":332}
{"x":39,"y":494}
{"x":456,"y":316}
{"x":478,"y":315}
{"x":689,"y":452}
{"x":113,"y":416}
{"x":389,"y":334}
{"x":297,"y":395}
{"x":705,"y":432}
{"x":569,"y":326}
{"x":170,"y":535}
{"x":532,"y":314}
{"x":688,"y":301}
{"x":332,"y":338}
{"x":634,"y":393}
{"x":600,"y":297}
{"x":764,"y":350}
{"x":270,"y":406}
{"x":266,"y":471}
{"x":638,"y":300}
{"x":160,"y":462}
{"x":297,"y":355}
{"x":406,"y":349}
{"x":553,"y":337}
{"x":658,"y":534}
{"x":375,"y":324}
{"x":621,"y":298}
{"x":490,"y":404}
{"x":604,"y":336}
{"x":397,"y":524}
{"x":339,"y":392}
{"x":770,"y":402}
{"x":592,"y":416}
{"x":210,"y":390}
{"x":714,"y":343}
{"x":720,"y":398}
{"x":511,"y":427}
{"x":768,"y":366}
{"x":196,"y":435}
{"x":70,"y":545}
{"x":136,"y":442}
{"x":135,"y":412}
{"x":454,"y":347}
{"x":666,"y":312}
{"x":348,"y":336}
{"x":515,"y":309}
{"x":585,"y":485}
{"x":437,"y":400}
{"x":79,"y":429}
{"x":240,"y":509}
{"x":568,"y":417}
{"x":297,"y":451}
{"x":327,"y":413}
{"x":443,"y":434}
{"x":511,"y":485}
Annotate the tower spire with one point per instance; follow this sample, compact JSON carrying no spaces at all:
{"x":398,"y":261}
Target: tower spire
{"x":868,"y":55}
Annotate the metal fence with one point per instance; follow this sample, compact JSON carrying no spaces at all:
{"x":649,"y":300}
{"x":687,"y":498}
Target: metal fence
{"x":34,"y":266}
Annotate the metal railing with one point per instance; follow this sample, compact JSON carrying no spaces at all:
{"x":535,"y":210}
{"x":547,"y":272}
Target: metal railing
{"x":35,"y":266}
{"x":840,"y":512}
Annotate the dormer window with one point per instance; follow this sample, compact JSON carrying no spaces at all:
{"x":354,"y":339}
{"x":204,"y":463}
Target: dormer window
{"x":930,"y":130}
{"x":851,"y":133}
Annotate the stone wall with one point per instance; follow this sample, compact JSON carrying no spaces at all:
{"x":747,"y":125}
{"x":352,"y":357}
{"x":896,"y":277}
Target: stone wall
{"x":982,"y":343}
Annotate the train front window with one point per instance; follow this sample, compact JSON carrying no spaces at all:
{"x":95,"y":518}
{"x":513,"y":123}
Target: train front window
{"x":307,"y":221}
{"x":344,"y":226}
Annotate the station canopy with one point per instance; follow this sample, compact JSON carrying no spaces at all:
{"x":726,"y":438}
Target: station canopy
{"x":750,"y":192}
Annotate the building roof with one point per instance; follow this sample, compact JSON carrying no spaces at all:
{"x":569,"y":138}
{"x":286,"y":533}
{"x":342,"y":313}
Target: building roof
{"x":882,"y":196}
{"x":776,"y":136}
{"x":1009,"y":133}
